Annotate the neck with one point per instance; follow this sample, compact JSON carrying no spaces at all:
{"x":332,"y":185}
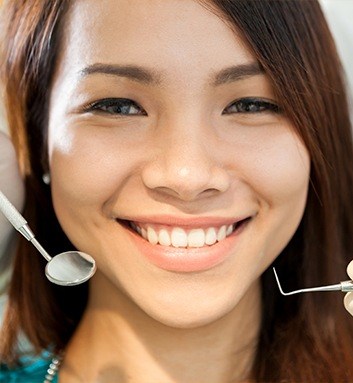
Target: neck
{"x":117,"y":341}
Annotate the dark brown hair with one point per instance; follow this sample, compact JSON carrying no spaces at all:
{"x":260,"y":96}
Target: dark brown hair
{"x":305,"y":338}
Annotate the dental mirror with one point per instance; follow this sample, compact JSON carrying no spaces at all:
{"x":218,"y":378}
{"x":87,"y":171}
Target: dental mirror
{"x":345,"y":286}
{"x":65,"y":269}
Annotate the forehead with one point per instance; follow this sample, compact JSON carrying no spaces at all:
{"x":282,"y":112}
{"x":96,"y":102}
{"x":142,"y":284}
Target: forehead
{"x":180,"y":36}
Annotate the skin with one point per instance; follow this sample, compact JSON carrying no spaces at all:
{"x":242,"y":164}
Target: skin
{"x":187,"y":156}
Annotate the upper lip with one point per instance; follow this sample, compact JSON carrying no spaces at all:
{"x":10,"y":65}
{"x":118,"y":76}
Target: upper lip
{"x":185,"y":222}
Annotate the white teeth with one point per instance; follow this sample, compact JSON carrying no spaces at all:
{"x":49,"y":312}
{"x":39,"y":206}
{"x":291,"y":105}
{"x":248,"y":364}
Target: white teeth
{"x":179,"y":237}
{"x":229,"y":230}
{"x":164,"y":238}
{"x":222,"y":233}
{"x":211,"y":236}
{"x":152,"y":236}
{"x":196,"y":238}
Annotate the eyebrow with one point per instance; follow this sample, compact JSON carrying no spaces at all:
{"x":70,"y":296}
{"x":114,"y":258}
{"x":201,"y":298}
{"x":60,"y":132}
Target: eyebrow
{"x":151,"y":77}
{"x":237,"y":72}
{"x":132,"y":72}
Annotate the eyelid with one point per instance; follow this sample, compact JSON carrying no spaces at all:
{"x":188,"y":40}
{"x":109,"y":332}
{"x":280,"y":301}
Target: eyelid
{"x":94,"y":105}
{"x":272,"y":105}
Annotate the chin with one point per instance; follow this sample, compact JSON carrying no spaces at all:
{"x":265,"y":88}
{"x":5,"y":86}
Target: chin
{"x":194,"y":312}
{"x":187,"y":319}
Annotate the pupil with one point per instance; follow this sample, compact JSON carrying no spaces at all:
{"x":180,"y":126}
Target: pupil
{"x":124,"y":109}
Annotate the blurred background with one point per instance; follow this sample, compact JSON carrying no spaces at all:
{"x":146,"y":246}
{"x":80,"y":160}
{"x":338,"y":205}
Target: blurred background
{"x":339,"y":14}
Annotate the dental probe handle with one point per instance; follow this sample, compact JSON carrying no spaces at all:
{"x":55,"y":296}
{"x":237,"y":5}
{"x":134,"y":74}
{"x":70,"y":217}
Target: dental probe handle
{"x":347,"y":286}
{"x":20,"y":224}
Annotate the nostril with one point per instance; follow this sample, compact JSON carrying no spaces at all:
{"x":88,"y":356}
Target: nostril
{"x":210,"y":191}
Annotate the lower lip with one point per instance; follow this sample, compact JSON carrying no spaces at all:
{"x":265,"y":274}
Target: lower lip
{"x":187,"y":259}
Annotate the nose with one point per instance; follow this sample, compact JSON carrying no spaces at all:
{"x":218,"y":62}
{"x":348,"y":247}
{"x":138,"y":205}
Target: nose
{"x":185,"y":165}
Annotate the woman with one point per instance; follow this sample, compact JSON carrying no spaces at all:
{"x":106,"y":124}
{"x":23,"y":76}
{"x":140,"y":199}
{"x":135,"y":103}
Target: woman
{"x":190,"y":144}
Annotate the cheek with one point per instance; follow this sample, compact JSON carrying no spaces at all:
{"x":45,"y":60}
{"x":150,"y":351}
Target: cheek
{"x":89,"y":167}
{"x":285,"y":187}
{"x":277,"y":169}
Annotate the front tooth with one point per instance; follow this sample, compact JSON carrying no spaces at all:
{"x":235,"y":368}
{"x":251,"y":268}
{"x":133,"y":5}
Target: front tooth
{"x":221,"y":233}
{"x":179,"y":237}
{"x":196,"y":238}
{"x":229,"y":230}
{"x":152,"y":236}
{"x":164,"y":238}
{"x":211,"y":236}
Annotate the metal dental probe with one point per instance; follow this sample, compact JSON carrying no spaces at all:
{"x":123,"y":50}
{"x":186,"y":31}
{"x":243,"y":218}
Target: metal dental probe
{"x":344,"y":286}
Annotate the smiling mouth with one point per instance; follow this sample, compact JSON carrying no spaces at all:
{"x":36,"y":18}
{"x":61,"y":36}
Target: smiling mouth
{"x":178,"y":237}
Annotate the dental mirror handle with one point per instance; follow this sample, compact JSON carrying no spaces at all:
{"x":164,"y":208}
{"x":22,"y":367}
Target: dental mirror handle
{"x":20,"y":224}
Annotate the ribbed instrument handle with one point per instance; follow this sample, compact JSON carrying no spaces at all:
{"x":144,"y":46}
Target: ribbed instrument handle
{"x":11,"y":213}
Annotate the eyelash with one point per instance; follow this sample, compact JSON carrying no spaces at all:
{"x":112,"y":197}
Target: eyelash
{"x":119,"y":106}
{"x":116,"y":105}
{"x":251,"y":105}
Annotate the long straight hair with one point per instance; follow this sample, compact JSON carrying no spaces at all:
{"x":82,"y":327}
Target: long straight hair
{"x":305,"y":338}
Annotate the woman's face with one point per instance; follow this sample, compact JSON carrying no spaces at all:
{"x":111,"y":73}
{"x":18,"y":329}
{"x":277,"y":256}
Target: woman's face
{"x":170,"y":162}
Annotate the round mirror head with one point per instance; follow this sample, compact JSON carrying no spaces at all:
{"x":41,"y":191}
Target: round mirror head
{"x":70,"y":268}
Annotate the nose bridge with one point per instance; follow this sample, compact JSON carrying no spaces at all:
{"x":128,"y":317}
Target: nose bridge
{"x":185,"y":164}
{"x":183,"y":147}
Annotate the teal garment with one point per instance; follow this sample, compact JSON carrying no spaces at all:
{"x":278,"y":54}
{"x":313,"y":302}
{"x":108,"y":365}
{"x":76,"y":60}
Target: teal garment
{"x":31,"y":371}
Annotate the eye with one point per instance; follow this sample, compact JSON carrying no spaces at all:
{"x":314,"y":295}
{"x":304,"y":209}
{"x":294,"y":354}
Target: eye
{"x":251,"y":105}
{"x":116,"y":106}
